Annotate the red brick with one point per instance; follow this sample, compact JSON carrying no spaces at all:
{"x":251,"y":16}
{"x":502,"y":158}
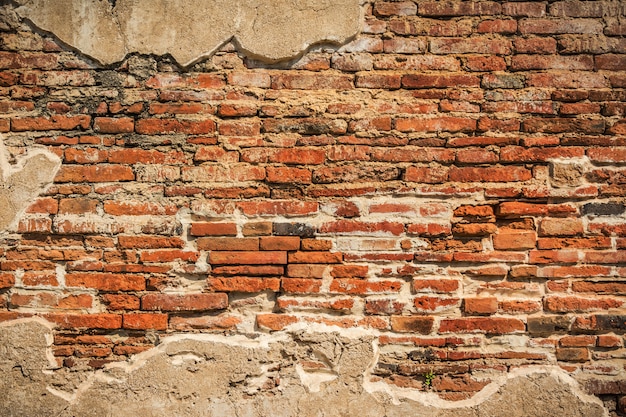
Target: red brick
{"x":312,"y":257}
{"x":383,"y":307}
{"x":518,"y":240}
{"x":563,"y":125}
{"x":489,"y":325}
{"x":477,"y":44}
{"x":520,"y":306}
{"x":303,"y":81}
{"x":560,"y":26}
{"x":276,"y":208}
{"x":94,"y":173}
{"x":607,"y":155}
{"x":114,"y":125}
{"x":306,"y":270}
{"x":491,"y":174}
{"x":607,"y":340}
{"x":145,"y":156}
{"x":213,"y":229}
{"x":538,"y":62}
{"x":144,"y":321}
{"x":274,"y":321}
{"x":221,"y":322}
{"x":617,"y":288}
{"x":150,"y":242}
{"x":560,"y":227}
{"x":358,"y":286}
{"x":184,"y":302}
{"x":427,"y":175}
{"x":137,"y":208}
{"x":577,"y":304}
{"x":279,"y":243}
{"x":351,"y":226}
{"x":552,"y":256}
{"x":466,"y":8}
{"x":7,"y":280}
{"x":412,"y":324}
{"x":178,"y":108}
{"x":169,"y":126}
{"x":484,"y":305}
{"x":228,"y":244}
{"x":508,"y":26}
{"x":199,"y":81}
{"x":349,"y":271}
{"x":55,"y":122}
{"x":121,"y":301}
{"x":289,"y":175}
{"x":435,"y":285}
{"x":301,"y":285}
{"x":248,"y":258}
{"x":516,"y":209}
{"x":106,"y":282}
{"x":169,"y":255}
{"x":428,"y":304}
{"x":89,"y":321}
{"x":572,"y":354}
{"x":535,"y":45}
{"x":243,"y":284}
{"x":230,"y":173}
{"x":440,"y":81}
{"x":582,"y":243}
{"x":85,"y":156}
{"x":250,"y":270}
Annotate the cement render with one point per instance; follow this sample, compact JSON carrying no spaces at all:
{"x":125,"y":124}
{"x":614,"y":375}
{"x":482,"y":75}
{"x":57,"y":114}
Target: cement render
{"x":254,"y":375}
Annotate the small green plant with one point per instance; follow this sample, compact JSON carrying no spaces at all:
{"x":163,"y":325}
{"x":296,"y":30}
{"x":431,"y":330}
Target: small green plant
{"x":428,"y":379}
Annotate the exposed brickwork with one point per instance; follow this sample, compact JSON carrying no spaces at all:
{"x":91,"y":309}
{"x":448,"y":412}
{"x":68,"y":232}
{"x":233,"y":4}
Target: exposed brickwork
{"x":453,"y":179}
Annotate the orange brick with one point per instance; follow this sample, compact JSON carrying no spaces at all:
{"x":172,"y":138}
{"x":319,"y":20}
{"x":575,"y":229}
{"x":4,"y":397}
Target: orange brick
{"x":184,"y":302}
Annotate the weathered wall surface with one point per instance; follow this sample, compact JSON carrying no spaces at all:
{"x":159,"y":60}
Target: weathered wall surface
{"x":424,"y":216}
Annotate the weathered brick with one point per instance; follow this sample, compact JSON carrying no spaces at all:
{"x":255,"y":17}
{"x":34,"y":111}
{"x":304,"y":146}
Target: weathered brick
{"x":248,"y":258}
{"x":184,"y":302}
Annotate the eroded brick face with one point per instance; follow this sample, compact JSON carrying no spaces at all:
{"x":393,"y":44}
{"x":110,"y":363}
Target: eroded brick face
{"x":453,"y":180}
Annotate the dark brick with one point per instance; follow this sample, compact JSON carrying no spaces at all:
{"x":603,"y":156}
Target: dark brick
{"x":547,"y":325}
{"x":610,"y":322}
{"x":603,"y":209}
{"x":293,"y":229}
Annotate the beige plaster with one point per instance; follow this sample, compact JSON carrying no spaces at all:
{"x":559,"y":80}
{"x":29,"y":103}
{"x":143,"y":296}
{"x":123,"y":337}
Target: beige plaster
{"x":22,"y":182}
{"x":191,"y":30}
{"x":255,"y":375}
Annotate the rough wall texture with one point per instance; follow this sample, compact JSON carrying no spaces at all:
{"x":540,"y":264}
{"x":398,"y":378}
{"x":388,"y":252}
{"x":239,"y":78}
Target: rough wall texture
{"x":428,"y":219}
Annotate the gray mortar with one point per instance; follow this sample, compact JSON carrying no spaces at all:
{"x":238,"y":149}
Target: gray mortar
{"x":214,"y":375}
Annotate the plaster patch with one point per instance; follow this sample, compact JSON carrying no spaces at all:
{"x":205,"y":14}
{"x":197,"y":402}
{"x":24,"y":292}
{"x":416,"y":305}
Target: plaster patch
{"x":22,"y":182}
{"x":191,"y":30}
{"x":213,"y":375}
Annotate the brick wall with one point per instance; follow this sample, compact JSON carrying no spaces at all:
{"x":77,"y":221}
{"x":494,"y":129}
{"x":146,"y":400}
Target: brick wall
{"x":452,"y":180}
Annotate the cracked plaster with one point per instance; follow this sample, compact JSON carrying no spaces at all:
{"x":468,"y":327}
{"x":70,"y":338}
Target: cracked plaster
{"x":191,"y":30}
{"x":255,"y":375}
{"x":22,"y":182}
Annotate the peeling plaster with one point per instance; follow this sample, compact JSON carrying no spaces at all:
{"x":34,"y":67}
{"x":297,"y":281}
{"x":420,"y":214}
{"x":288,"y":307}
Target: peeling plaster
{"x":192,"y":30}
{"x":22,"y":182}
{"x":256,"y":375}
